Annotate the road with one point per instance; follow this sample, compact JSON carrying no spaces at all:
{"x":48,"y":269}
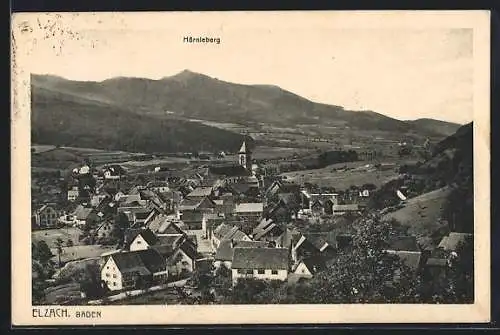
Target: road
{"x":135,"y":293}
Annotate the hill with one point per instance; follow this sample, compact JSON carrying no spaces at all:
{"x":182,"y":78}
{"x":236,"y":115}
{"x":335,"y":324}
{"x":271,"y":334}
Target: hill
{"x":190,"y":95}
{"x":450,"y":169}
{"x":64,"y":118}
{"x":436,"y":126}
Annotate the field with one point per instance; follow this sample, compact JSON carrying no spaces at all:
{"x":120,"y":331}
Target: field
{"x":81,"y":252}
{"x":422,"y":214}
{"x":342,"y":179}
{"x":50,"y":236}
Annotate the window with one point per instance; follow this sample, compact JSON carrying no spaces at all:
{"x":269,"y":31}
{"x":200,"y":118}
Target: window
{"x":107,"y":267}
{"x":107,"y":274}
{"x":249,"y":272}
{"x":260,"y":271}
{"x":114,"y":283}
{"x":240,"y":271}
{"x":274,"y":272}
{"x":138,"y":242}
{"x":114,"y":276}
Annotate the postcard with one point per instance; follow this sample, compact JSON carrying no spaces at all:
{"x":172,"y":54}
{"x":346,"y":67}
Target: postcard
{"x":182,"y":168}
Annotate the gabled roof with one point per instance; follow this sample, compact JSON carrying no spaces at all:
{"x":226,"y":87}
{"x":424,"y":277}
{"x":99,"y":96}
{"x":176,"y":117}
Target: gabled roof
{"x":200,"y":192}
{"x":260,"y":258}
{"x":225,"y":251}
{"x":145,"y":262}
{"x":234,"y":234}
{"x":82,"y":213}
{"x":314,"y":264}
{"x":262,"y":225}
{"x":249,"y":207}
{"x":170,"y":240}
{"x":222,"y":230}
{"x":273,"y":229}
{"x":453,"y":240}
{"x":169,"y":227}
{"x":189,"y":249}
{"x":148,"y":236}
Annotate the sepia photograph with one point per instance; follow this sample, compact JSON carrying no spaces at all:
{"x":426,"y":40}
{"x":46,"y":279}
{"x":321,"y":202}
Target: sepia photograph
{"x":197,"y":161}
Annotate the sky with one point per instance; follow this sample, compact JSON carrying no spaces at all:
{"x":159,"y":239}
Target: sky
{"x":402,"y":68}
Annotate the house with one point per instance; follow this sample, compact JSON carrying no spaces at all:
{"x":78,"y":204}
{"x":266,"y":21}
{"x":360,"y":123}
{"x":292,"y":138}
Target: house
{"x":245,"y":190}
{"x":279,"y":187}
{"x":407,"y":249}
{"x":171,"y":199}
{"x":271,"y":232}
{"x":46,"y":216}
{"x":104,"y":230}
{"x":227,"y":232}
{"x":345,"y":209}
{"x":279,"y":212}
{"x":143,"y":240}
{"x":96,"y":199}
{"x":192,"y":211}
{"x":249,"y":210}
{"x":224,"y":253}
{"x":178,"y":250}
{"x":260,"y":263}
{"x":312,"y":245}
{"x":308,"y":267}
{"x":73,"y":193}
{"x":319,"y":203}
{"x":183,"y":259}
{"x":158,"y":186}
{"x":171,"y":227}
{"x":81,"y":215}
{"x":200,"y":193}
{"x":452,"y":242}
{"x":230,"y":173}
{"x":132,"y":269}
{"x":204,"y":204}
{"x":113,"y":172}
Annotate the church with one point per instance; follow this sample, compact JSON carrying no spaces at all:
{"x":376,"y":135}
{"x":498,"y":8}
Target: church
{"x":235,"y":173}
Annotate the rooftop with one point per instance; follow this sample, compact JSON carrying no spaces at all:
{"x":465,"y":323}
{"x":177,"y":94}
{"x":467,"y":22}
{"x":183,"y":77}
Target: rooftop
{"x":249,"y":207}
{"x":260,"y":258}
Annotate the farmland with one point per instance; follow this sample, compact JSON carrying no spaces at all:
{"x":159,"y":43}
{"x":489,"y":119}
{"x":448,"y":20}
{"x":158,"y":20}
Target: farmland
{"x":342,"y":176}
{"x":50,"y":236}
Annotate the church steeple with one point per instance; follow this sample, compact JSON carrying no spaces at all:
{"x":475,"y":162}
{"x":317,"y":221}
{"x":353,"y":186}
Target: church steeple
{"x":245,"y":156}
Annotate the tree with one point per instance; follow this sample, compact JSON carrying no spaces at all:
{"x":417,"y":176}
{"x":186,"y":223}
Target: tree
{"x":364,"y":274}
{"x":41,"y":252}
{"x":118,"y":231}
{"x":59,"y":246}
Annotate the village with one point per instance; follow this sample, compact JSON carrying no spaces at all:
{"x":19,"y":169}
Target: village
{"x":113,"y":240}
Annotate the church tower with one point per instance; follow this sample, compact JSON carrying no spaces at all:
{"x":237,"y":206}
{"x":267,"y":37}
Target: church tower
{"x":245,"y":156}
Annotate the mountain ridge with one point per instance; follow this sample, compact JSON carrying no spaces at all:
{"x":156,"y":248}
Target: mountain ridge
{"x":192,"y":95}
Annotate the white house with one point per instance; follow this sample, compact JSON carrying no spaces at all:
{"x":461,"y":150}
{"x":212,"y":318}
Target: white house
{"x":253,"y":209}
{"x":345,"y":209}
{"x":224,"y":254}
{"x":73,"y":193}
{"x":127,"y":270}
{"x":260,"y":263}
{"x":46,"y":216}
